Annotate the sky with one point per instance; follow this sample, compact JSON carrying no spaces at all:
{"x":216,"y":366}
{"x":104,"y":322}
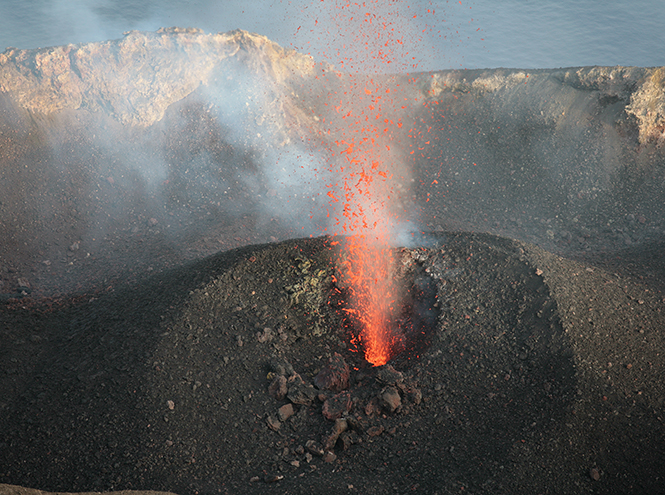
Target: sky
{"x":454,"y":34}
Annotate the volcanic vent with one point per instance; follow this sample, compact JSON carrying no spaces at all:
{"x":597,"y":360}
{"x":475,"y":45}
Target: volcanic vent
{"x":412,"y":315}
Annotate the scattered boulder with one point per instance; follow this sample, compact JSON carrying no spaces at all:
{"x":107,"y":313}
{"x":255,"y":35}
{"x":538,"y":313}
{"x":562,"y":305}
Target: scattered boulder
{"x":390,"y":399}
{"x":277,"y":389}
{"x":273,"y":423}
{"x":334,"y":376}
{"x":347,"y":439}
{"x":355,"y":424}
{"x":299,"y":392}
{"x":340,"y":427}
{"x":281,"y":366}
{"x":375,"y":431}
{"x":389,"y":376}
{"x":372,"y":408}
{"x":295,"y":379}
{"x":331,"y":387}
{"x":285,"y":412}
{"x":411,"y":393}
{"x":314,"y":448}
{"x":264,"y":336}
{"x":336,"y":406}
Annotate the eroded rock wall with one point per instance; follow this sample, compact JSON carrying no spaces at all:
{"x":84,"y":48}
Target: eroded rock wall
{"x":197,"y":142}
{"x":136,"y":78}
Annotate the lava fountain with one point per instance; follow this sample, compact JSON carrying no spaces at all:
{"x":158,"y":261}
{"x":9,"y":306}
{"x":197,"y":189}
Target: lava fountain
{"x":367,"y":258}
{"x":363,"y":161}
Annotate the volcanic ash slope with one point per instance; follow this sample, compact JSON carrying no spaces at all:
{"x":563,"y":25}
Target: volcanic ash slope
{"x":533,"y":361}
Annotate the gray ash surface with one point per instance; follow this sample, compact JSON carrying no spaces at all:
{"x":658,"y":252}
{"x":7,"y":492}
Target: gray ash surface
{"x":539,"y":371}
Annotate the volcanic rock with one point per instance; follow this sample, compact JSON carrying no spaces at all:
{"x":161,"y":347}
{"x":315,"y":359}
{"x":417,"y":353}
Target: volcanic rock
{"x":375,"y":431}
{"x":295,"y":380}
{"x":411,"y":392}
{"x":372,"y":407}
{"x":264,"y":336}
{"x":334,"y":375}
{"x":285,"y":412}
{"x":314,"y":448}
{"x":277,"y":389}
{"x":340,"y":427}
{"x":389,"y":376}
{"x":301,"y":393}
{"x":414,"y":395}
{"x":281,"y":367}
{"x":162,"y":67}
{"x":355,"y":424}
{"x":347,"y":439}
{"x":335,"y":407}
{"x":390,"y":399}
{"x":273,"y":423}
{"x":330,"y":441}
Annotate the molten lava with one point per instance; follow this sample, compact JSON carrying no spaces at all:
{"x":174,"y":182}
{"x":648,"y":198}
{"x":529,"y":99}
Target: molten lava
{"x":368,"y":267}
{"x":365,"y":190}
{"x":367,"y":259}
{"x":364,"y":159}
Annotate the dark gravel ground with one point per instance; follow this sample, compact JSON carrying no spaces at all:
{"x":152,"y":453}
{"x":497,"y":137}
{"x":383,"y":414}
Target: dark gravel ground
{"x":542,"y":375}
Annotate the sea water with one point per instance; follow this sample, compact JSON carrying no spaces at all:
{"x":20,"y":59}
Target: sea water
{"x":453,"y":34}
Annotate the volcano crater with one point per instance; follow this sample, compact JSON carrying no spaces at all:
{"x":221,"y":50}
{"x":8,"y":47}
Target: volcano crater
{"x":174,"y":374}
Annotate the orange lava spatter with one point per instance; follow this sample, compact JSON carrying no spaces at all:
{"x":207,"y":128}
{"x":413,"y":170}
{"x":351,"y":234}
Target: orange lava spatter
{"x":367,"y":262}
{"x":363,"y":164}
{"x":368,"y":268}
{"x":365,"y":114}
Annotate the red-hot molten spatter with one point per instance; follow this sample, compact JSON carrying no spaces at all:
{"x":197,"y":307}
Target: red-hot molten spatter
{"x":368,"y":266}
{"x":366,"y":192}
{"x":364,"y":186}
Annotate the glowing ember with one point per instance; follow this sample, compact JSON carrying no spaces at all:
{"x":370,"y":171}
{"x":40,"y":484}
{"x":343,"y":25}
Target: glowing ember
{"x":364,"y":188}
{"x":362,"y":128}
{"x":368,"y":268}
{"x":367,"y":259}
{"x":364,"y":191}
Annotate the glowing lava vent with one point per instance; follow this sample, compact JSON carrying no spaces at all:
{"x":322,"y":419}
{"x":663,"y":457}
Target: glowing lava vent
{"x":365,"y":123}
{"x":388,"y":316}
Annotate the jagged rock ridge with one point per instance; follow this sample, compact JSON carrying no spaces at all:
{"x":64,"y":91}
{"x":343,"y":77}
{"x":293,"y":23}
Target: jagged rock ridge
{"x":137,"y":77}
